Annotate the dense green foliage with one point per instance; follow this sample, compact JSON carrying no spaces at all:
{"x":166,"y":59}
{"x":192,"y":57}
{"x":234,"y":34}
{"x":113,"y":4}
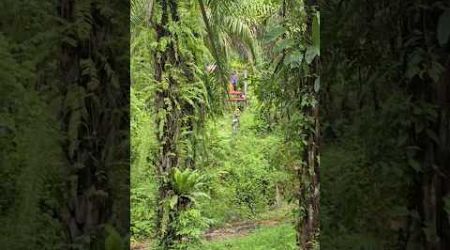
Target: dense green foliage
{"x":385,"y":124}
{"x":240,"y":174}
{"x":186,"y":161}
{"x":242,"y":171}
{"x":63,"y":124}
{"x":288,"y":87}
{"x":27,"y":142}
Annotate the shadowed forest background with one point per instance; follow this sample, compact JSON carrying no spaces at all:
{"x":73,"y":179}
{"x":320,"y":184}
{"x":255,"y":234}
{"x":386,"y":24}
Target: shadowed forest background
{"x":385,"y":125}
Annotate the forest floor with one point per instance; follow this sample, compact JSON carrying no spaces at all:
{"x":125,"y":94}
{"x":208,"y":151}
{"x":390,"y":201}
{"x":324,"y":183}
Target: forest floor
{"x":240,"y":233}
{"x":273,"y":237}
{"x":272,"y":227}
{"x":239,"y":229}
{"x":272,"y":218}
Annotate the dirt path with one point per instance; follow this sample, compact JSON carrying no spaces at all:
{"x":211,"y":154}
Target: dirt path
{"x":234,"y":230}
{"x":142,"y":245}
{"x":238,"y":229}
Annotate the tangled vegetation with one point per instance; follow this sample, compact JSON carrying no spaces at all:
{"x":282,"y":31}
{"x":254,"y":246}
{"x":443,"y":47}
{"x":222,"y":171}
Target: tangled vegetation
{"x":64,"y":144}
{"x":384,"y":110}
{"x":187,"y":161}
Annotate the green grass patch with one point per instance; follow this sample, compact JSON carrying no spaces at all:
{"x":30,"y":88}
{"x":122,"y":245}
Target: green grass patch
{"x":280,"y":237}
{"x":282,"y":213}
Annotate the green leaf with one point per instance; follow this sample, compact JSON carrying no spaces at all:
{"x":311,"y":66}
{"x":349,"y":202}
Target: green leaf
{"x":173,"y":201}
{"x":113,"y":240}
{"x":70,"y":41}
{"x":436,"y":70}
{"x":316,"y":32}
{"x":443,"y":29}
{"x":284,"y":44}
{"x":414,"y":164}
{"x":311,"y":53}
{"x":430,"y":232}
{"x":433,"y":136}
{"x":317,"y":84}
{"x":201,"y":194}
{"x":275,"y":33}
{"x":294,"y":59}
{"x":446,"y":200}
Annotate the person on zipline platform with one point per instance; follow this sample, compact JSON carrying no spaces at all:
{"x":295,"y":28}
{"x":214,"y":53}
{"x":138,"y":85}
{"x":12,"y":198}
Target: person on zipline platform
{"x":234,"y":80}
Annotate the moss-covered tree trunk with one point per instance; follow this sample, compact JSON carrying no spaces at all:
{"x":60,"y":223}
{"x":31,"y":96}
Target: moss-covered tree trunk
{"x":309,"y":203}
{"x":94,"y":99}
{"x":170,"y":120}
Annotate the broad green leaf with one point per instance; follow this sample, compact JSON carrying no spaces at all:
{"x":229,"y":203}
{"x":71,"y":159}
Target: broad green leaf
{"x":173,"y":201}
{"x":431,"y":134}
{"x":400,"y":210}
{"x":317,"y":84}
{"x":443,"y":29}
{"x":435,"y":71}
{"x":415,"y":165}
{"x":294,"y":59}
{"x":311,"y":53}
{"x":430,"y":231}
{"x":446,"y":200}
{"x":284,"y":44}
{"x":201,"y":194}
{"x":275,"y":33}
{"x":113,"y":240}
{"x":316,"y":32}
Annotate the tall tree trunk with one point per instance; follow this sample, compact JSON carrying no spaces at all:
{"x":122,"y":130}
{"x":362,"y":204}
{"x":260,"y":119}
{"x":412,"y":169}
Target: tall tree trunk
{"x":168,"y":153}
{"x":308,"y":225}
{"x":170,"y":120}
{"x":432,"y":183}
{"x":90,"y":106}
{"x":443,"y":158}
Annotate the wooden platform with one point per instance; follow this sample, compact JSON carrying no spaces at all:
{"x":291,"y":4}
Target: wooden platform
{"x":237,"y":96}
